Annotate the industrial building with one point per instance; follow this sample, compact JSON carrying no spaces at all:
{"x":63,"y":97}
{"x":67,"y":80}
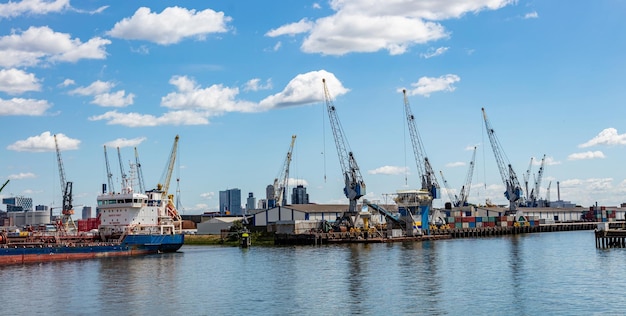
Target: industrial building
{"x":301,"y":214}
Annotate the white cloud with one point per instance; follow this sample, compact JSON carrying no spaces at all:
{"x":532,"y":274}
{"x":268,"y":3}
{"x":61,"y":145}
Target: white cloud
{"x":389,"y":170}
{"x":15,"y":81}
{"x":102,"y":97}
{"x":214,"y":100}
{"x":354,"y":32}
{"x":301,"y":26}
{"x":586,"y":155}
{"x":207,"y":195}
{"x":255,"y":85}
{"x":608,"y":136}
{"x":44,"y":143}
{"x":170,"y":26}
{"x":551,"y":162}
{"x":531,"y":15}
{"x":22,"y":175}
{"x":116,"y":99}
{"x":123,"y":142}
{"x":174,"y":118}
{"x":38,"y":44}
{"x":277,"y":46}
{"x":455,"y":164}
{"x":67,"y":83}
{"x":32,"y":7}
{"x":434,"y":52}
{"x":427,"y":85}
{"x":95,"y":88}
{"x":19,"y":106}
{"x":305,"y":89}
{"x":293,"y":182}
{"x":368,"y":26}
{"x":195,"y":104}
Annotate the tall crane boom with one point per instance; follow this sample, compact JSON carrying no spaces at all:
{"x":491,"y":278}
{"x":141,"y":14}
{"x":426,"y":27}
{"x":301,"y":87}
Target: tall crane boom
{"x":280,"y":182}
{"x":527,"y":177}
{"x":534,"y":195}
{"x":454,"y":199}
{"x":109,"y":174}
{"x":354,"y":184}
{"x":514,"y":191}
{"x":122,"y":172}
{"x":465,"y":190}
{"x":66,"y":188}
{"x":429,"y":180}
{"x":4,"y":185}
{"x":142,"y":187}
{"x":165,"y":184}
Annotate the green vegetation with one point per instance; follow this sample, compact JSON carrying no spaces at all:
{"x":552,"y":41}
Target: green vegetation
{"x":257,"y":239}
{"x":232,"y":238}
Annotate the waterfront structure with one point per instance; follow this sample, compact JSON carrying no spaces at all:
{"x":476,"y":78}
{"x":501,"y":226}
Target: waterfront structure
{"x":230,"y":202}
{"x":29,"y":218}
{"x":299,"y":195}
{"x":308,"y":215}
{"x":215,"y":225}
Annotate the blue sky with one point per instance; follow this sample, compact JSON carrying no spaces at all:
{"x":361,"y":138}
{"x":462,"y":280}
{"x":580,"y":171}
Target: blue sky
{"x":235,"y":80}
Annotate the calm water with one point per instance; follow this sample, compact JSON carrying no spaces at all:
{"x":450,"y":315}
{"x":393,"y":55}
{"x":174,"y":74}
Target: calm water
{"x":536,"y":274}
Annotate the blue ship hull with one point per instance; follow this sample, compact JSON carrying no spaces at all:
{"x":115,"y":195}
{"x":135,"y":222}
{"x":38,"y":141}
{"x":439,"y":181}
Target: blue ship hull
{"x":12,"y":253}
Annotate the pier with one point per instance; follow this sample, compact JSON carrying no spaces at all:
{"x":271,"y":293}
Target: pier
{"x":610,"y":235}
{"x":322,"y":238}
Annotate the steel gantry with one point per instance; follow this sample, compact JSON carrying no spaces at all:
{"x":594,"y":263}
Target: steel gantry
{"x":354,"y":185}
{"x":280,"y":182}
{"x":514,"y":192}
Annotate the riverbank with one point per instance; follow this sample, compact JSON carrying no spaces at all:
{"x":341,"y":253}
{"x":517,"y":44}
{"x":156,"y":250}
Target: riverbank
{"x":257,"y":239}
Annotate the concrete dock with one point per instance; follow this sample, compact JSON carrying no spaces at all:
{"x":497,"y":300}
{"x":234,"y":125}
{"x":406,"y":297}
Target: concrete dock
{"x":321,"y":238}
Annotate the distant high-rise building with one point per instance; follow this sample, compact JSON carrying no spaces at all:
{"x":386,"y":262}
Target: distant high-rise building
{"x":86,"y":212}
{"x":262,"y":205}
{"x":230,"y":202}
{"x":299,"y":195}
{"x":18,"y":204}
{"x":269,"y":196}
{"x":251,"y":202}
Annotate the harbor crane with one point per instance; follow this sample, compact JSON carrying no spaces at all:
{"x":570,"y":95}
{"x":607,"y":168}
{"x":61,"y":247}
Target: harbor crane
{"x":142,"y":187}
{"x":454,"y":199}
{"x":465,"y":190}
{"x":164,"y":185}
{"x":426,"y":173}
{"x":122,"y":172}
{"x":66,"y":187}
{"x":527,"y":178}
{"x":548,"y":194}
{"x":461,"y":198}
{"x":280,"y":182}
{"x":514,"y":192}
{"x":109,"y":174}
{"x":354,"y":184}
{"x":534,"y":194}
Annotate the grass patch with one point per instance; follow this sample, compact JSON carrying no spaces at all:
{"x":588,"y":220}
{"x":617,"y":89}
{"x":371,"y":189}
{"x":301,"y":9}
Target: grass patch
{"x":258,"y":239}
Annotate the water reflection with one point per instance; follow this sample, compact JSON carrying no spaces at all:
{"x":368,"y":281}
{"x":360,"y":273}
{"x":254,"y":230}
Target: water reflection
{"x":523,"y":275}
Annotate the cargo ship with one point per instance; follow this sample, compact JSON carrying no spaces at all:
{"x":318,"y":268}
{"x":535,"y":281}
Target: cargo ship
{"x":129,"y":223}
